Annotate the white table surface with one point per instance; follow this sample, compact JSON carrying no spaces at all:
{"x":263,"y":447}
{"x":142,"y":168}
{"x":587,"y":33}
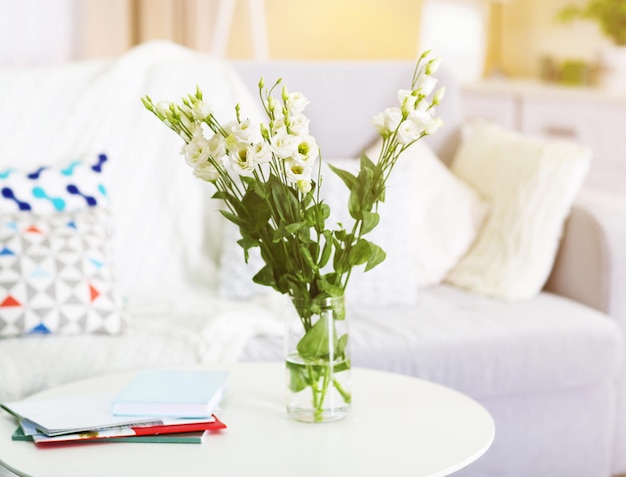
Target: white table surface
{"x":398,"y":426}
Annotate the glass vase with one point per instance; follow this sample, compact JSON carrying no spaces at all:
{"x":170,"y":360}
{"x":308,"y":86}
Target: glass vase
{"x":317,"y":359}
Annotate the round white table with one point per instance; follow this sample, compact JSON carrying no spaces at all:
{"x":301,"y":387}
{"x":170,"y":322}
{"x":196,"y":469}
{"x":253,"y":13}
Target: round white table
{"x":398,"y":426}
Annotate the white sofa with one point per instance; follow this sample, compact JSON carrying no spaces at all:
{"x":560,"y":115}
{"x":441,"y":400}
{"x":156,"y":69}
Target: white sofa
{"x":549,"y":369}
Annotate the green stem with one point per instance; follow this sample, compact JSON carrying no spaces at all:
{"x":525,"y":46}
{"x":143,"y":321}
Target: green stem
{"x":347,"y":397}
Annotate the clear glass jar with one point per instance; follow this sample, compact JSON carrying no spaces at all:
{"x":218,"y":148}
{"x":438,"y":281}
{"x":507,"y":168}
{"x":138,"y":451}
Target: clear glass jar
{"x":317,"y":359}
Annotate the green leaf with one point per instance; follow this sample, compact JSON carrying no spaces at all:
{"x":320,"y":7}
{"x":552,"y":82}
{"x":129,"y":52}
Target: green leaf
{"x":377,"y":256}
{"x":347,"y":177}
{"x":326,"y":284}
{"x":354,"y":203}
{"x":342,"y":366}
{"x":255,"y":210}
{"x":265,"y":276}
{"x":360,"y":253}
{"x":248,"y":181}
{"x":361,"y":196}
{"x":295,"y":227}
{"x":366,"y":163}
{"x":279,"y":234}
{"x":370,"y":221}
{"x":297,"y":377}
{"x":328,"y":248}
{"x":234,"y":218}
{"x":315,"y":344}
{"x":342,"y":235}
{"x":308,"y":258}
{"x":341,"y":347}
{"x":222,"y":195}
{"x":284,"y":200}
{"x":246,"y":242}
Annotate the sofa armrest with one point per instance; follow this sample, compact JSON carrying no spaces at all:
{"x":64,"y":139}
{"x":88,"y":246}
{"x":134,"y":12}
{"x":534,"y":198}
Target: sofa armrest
{"x":590,"y":266}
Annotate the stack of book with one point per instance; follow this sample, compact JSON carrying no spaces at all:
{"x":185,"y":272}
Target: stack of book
{"x":155,"y":406}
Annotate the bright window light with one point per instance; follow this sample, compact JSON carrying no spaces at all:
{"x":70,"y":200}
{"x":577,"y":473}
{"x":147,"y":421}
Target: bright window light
{"x":456,"y":31}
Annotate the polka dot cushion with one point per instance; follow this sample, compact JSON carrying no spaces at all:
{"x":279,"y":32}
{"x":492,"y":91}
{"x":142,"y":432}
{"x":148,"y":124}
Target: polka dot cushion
{"x":75,"y":185}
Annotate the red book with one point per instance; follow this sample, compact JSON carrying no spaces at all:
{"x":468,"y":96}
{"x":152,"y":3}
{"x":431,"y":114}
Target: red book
{"x":172,"y":428}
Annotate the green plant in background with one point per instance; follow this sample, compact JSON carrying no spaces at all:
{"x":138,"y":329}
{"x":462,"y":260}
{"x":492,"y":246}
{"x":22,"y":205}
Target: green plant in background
{"x":609,"y":14}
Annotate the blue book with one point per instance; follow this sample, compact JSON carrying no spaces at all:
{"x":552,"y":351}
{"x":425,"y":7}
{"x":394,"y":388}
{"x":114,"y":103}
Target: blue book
{"x":171,"y":393}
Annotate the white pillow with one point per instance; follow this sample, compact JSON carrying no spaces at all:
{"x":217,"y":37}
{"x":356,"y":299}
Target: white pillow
{"x":427,"y":222}
{"x":447,"y":214}
{"x":531,"y":184}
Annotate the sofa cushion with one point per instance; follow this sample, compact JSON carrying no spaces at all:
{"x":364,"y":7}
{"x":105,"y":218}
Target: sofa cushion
{"x":67,"y":186}
{"x":56,"y":274}
{"x":531,"y":185}
{"x":479,"y":345}
{"x":446,"y":215}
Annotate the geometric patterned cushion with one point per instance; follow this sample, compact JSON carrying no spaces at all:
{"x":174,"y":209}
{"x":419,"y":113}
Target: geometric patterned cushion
{"x":76,"y":185}
{"x":56,"y":274}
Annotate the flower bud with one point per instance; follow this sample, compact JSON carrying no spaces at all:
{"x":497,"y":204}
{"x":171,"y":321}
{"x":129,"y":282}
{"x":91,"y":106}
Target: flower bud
{"x":433,"y":125}
{"x":432,"y":66}
{"x":439,"y":95}
{"x":304,"y":186}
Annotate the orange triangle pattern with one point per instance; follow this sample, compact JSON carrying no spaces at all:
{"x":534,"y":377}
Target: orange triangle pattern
{"x":33,"y":229}
{"x":10,"y":301}
{"x":93,"y":292}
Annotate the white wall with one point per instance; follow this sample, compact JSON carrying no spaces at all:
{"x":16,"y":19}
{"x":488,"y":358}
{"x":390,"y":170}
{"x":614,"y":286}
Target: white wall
{"x":37,"y":31}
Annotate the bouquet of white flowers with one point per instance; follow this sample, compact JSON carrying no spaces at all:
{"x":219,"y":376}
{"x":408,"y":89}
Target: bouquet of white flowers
{"x":268,"y":177}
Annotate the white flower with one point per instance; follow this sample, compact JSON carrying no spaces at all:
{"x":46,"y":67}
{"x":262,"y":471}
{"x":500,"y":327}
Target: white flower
{"x":260,"y":152}
{"x":388,"y":121}
{"x":283,"y":144}
{"x":296,"y":102}
{"x":190,"y":126}
{"x":408,"y":131}
{"x":305,"y":150}
{"x":433,"y":125}
{"x":206,"y":172}
{"x":278,"y":126}
{"x":426,"y":84}
{"x":246,"y":131}
{"x":420,"y":119}
{"x":297,"y":172}
{"x":241,"y":161}
{"x":422,"y":105}
{"x":407,"y":100}
{"x":200,"y":110}
{"x":217,"y":146}
{"x":197,"y":151}
{"x":299,"y":124}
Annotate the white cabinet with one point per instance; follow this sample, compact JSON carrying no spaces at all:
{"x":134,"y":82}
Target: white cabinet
{"x":592,"y":117}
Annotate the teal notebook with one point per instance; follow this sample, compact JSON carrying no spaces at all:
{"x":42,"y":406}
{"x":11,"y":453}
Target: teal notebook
{"x":171,"y":393}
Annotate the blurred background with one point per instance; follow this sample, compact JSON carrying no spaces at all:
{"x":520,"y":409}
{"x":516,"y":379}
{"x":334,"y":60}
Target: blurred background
{"x":515,"y":37}
{"x":517,"y":63}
